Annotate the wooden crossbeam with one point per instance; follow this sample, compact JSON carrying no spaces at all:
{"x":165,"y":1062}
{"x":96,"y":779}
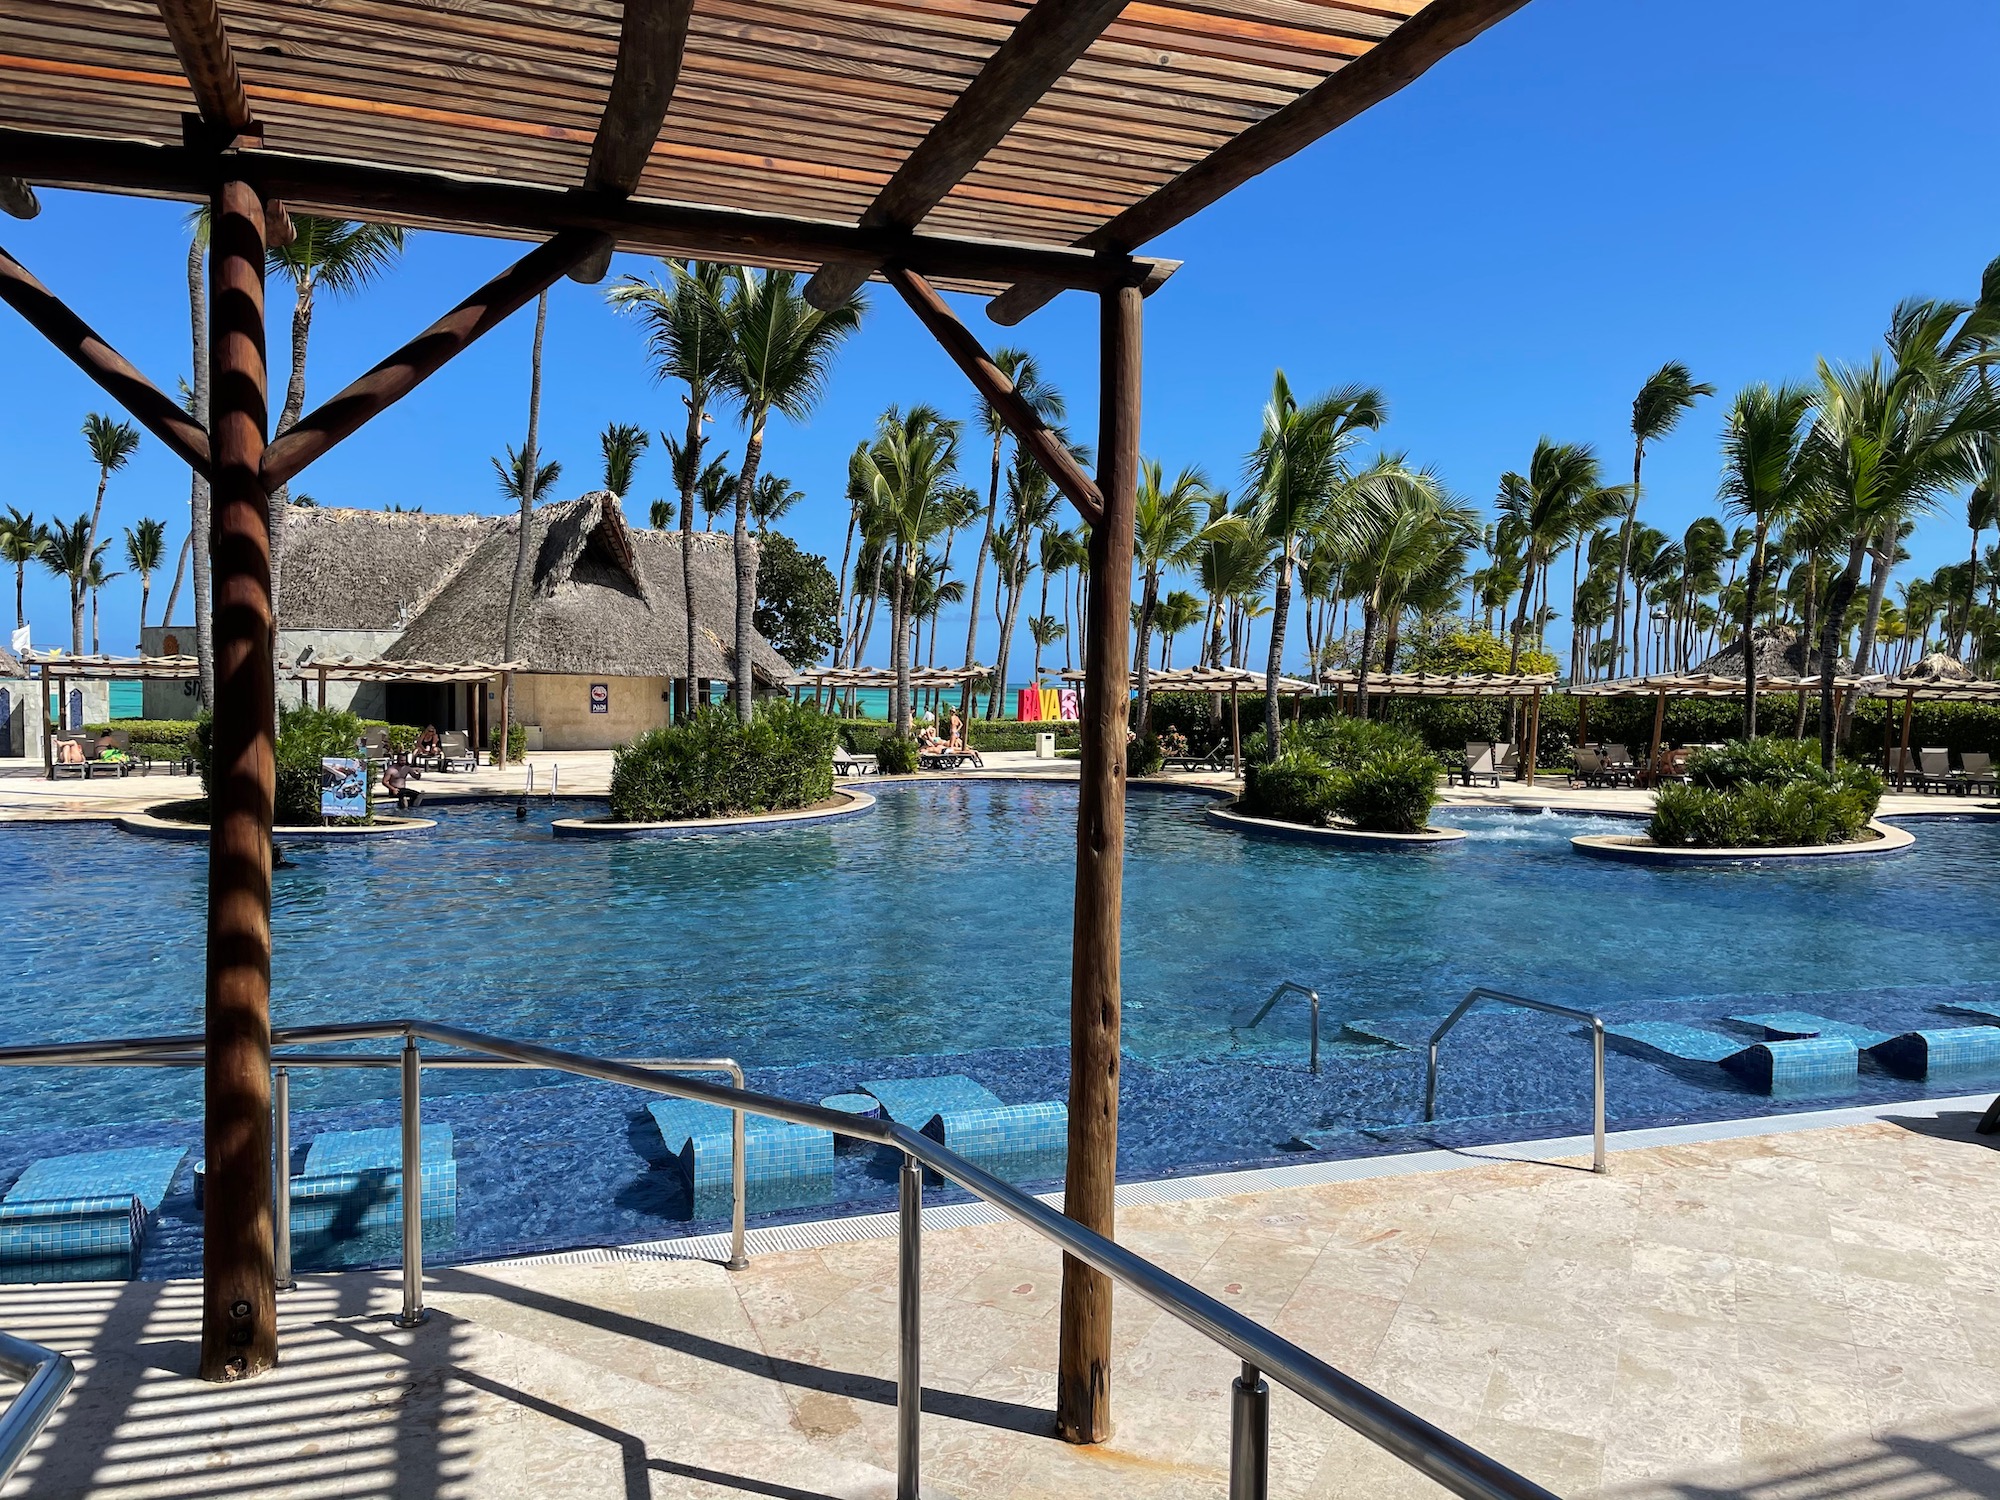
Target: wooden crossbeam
{"x":150,"y":406}
{"x":966,"y":352}
{"x":477,"y":205}
{"x":202,"y":45}
{"x":1439,"y":29}
{"x":18,"y":199}
{"x":406,"y":369}
{"x":1031,"y":61}
{"x":651,"y":40}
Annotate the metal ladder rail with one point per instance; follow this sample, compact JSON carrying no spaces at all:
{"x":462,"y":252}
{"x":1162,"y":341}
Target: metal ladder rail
{"x":1499,"y":997}
{"x":47,"y":1377}
{"x":1293,"y":987}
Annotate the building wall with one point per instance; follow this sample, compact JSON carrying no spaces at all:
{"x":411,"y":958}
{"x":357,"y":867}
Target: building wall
{"x":560,"y":707}
{"x":20,"y":727}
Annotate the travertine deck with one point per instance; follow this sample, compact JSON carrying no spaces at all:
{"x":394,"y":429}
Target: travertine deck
{"x":1807,"y":1314}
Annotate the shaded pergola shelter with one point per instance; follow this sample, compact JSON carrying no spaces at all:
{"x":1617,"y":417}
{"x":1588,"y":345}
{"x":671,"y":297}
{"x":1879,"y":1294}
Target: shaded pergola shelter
{"x":55,"y":669}
{"x":1662,"y":686}
{"x":475,"y":675}
{"x":1529,"y":685}
{"x":1235,"y":681}
{"x":1015,"y":151}
{"x":1915,"y":690}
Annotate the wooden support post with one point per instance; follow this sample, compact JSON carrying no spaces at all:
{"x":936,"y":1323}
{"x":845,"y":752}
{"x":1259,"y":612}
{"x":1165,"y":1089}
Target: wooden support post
{"x":1659,"y":727}
{"x":1583,"y":721}
{"x":322,"y":689}
{"x":1083,"y":1373}
{"x":1903,"y":760}
{"x":506,"y":721}
{"x":49,"y":721}
{"x":239,"y":1331}
{"x":1534,"y":738}
{"x":1235,"y":731}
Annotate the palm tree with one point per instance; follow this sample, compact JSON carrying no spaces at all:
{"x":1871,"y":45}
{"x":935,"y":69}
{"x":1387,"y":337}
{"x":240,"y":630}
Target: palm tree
{"x":1032,"y":503}
{"x":198,"y":493}
{"x":910,"y":469}
{"x":338,"y":257}
{"x":1063,"y":551}
{"x":1562,"y":495}
{"x":1178,"y":612}
{"x":621,"y":444}
{"x":1764,"y":478}
{"x":1669,"y":394}
{"x":1409,"y":530}
{"x":94,"y":581}
{"x":68,"y":555}
{"x":1295,"y":475}
{"x":145,"y":544}
{"x":1166,"y":523}
{"x":781,"y":352}
{"x":1047,"y":403}
{"x":112,"y":445}
{"x":523,"y":476}
{"x":1234,"y":564}
{"x":687,"y":338}
{"x":22,"y":540}
{"x":772,"y":498}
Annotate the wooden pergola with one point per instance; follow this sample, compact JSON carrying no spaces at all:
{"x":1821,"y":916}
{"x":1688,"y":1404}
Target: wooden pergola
{"x":1913,"y":690}
{"x":1235,"y":681}
{"x":1511,"y":685}
{"x":1664,"y":685}
{"x":1013,"y":150}
{"x":55,"y":667}
{"x":474,"y":675}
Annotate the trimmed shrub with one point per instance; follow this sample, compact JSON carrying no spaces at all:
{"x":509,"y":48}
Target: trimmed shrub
{"x":517,"y":742}
{"x":712,"y":765}
{"x":1377,"y":777}
{"x":1392,"y":790}
{"x":1144,"y":757}
{"x":173,"y":736}
{"x":305,"y":735}
{"x":1297,"y":787}
{"x":1762,"y":794}
{"x":1009,"y":735}
{"x":895,"y":756}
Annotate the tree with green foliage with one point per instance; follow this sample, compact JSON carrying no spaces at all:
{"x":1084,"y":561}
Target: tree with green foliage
{"x":69,"y":555}
{"x":798,"y":602}
{"x":145,"y":546}
{"x":911,"y":471}
{"x":22,"y":540}
{"x":1764,"y":479}
{"x":1407,"y":528}
{"x":524,"y":477}
{"x":621,"y":443}
{"x":1668,"y":394}
{"x":1166,"y":522}
{"x":112,"y":445}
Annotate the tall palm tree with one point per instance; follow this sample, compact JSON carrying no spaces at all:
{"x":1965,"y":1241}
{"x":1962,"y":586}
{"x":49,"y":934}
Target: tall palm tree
{"x":1409,"y":529}
{"x":524,"y":476}
{"x":145,"y":544}
{"x":1032,"y":504}
{"x":1296,"y":474}
{"x":781,"y":351}
{"x":198,"y":492}
{"x":1233,"y":565}
{"x":1046,"y":630}
{"x":1166,"y":524}
{"x":1047,"y":403}
{"x":1175,"y":614}
{"x":22,"y":540}
{"x":1668,"y":394}
{"x":621,"y":444}
{"x":1764,"y":479}
{"x":94,"y":581}
{"x":112,"y":445}
{"x":687,"y":338}
{"x":69,"y":555}
{"x":1562,"y":494}
{"x":911,"y":469}
{"x":338,"y":257}
{"x":772,"y":498}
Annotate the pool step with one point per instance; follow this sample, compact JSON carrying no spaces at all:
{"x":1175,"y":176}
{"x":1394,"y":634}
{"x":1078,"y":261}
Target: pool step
{"x":1452,"y":1131}
{"x":1407,"y":1032}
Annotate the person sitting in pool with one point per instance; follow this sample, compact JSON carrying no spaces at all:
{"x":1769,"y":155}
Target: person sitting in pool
{"x":396,"y":781}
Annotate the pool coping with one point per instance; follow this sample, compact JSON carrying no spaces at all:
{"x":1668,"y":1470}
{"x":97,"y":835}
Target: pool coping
{"x":857,"y":802}
{"x":147,"y":825}
{"x":1225,"y":816}
{"x":818,"y":1234}
{"x":1643,"y":851}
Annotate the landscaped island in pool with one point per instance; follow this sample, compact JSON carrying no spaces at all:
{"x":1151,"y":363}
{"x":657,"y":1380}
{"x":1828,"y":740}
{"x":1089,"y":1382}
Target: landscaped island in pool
{"x":932,"y":936}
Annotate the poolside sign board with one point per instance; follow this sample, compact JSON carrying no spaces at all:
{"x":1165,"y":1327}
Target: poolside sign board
{"x":343,"y":787}
{"x":600,"y":698}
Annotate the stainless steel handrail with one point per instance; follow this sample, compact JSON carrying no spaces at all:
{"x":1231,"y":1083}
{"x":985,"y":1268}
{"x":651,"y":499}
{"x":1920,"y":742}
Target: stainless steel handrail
{"x":1431,"y":1451}
{"x":1293,"y":987}
{"x":1596,"y":1024}
{"x":47,"y":1376}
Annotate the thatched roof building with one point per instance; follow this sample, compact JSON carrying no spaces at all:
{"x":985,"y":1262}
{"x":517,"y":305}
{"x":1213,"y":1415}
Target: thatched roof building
{"x":10,"y":664}
{"x":1938,"y":667}
{"x":1780,"y":653}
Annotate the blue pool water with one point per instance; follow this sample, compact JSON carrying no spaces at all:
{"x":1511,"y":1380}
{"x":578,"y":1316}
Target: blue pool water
{"x":932,"y":935}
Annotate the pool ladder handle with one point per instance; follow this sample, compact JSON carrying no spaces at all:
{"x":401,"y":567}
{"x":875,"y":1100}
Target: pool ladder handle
{"x":1596,"y":1024}
{"x":1293,"y":987}
{"x":46,"y":1377}
{"x":1463,"y":1470}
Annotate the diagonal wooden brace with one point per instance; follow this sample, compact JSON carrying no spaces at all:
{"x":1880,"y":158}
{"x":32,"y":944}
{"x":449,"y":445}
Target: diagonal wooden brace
{"x":423,"y":356}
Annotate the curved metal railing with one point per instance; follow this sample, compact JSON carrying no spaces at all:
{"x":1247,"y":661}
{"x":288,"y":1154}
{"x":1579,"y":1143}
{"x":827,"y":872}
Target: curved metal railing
{"x":1293,"y":987}
{"x":1596,"y":1024}
{"x":1431,"y":1451}
{"x":46,"y":1377}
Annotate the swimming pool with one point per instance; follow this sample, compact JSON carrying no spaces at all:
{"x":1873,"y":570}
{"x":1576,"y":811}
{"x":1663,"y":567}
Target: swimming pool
{"x":938,"y":924}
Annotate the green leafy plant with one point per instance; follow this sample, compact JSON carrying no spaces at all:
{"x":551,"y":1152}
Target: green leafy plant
{"x":1392,"y":790}
{"x":1297,"y":787}
{"x":305,"y":735}
{"x":895,"y":755}
{"x":1144,"y":757}
{"x":1764,"y":794}
{"x":712,"y":765}
{"x":517,"y":742}
{"x":1377,"y":777}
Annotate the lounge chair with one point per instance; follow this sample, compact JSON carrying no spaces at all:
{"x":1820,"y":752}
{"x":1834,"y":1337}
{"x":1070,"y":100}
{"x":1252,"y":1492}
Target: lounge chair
{"x":784,"y":1165}
{"x":1482,"y":762}
{"x":1508,"y":763}
{"x":1015,"y":1141}
{"x":353,"y":1181}
{"x":1618,"y":764}
{"x":1808,"y":1065}
{"x":374,"y":745}
{"x":854,"y":763}
{"x":84,"y":1216}
{"x":1587,"y":767}
{"x":949,"y":760}
{"x":1975,"y":772}
{"x":1940,"y":1053}
{"x":455,"y":752}
{"x":1935,"y":773}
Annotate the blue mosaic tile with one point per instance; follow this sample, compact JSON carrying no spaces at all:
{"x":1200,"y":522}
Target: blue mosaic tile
{"x":142,"y":1172}
{"x":1792,"y":1024}
{"x":1958,"y":1052}
{"x":339,"y":1151}
{"x":353,"y":1184}
{"x":1012,"y":1141}
{"x":915,"y":1101}
{"x":41,"y":1231}
{"x":784,"y":1165}
{"x":1807,"y":1066}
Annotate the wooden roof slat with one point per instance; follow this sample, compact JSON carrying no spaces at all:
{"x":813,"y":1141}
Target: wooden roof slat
{"x":196,"y":31}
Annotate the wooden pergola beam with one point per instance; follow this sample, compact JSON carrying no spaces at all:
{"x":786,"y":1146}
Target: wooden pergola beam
{"x":1439,"y":29}
{"x":651,"y":41}
{"x":396,"y":195}
{"x":970,"y":356}
{"x":147,"y":403}
{"x":1040,"y":49}
{"x":202,"y":45}
{"x":402,"y":372}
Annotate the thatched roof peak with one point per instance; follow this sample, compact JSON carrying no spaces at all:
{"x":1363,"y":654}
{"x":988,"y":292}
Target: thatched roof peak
{"x":1780,"y":653}
{"x":1938,"y":667}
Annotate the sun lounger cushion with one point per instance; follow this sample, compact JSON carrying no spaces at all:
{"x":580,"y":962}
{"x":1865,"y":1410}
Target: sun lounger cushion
{"x":1955,"y":1052}
{"x":95,"y":1203}
{"x":1789,"y":1024}
{"x":353,"y":1180}
{"x":1008,"y":1140}
{"x":1809,"y":1065}
{"x":784,"y":1165}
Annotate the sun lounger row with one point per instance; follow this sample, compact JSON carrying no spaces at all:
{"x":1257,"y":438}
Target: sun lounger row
{"x":1931,"y":771}
{"x":1490,"y":761}
{"x":84,"y":1216}
{"x":1804,"y":1054}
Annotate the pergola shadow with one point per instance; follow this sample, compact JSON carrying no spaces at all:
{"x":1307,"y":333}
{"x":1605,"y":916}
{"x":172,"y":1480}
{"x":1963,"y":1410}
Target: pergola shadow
{"x":1960,"y":1464}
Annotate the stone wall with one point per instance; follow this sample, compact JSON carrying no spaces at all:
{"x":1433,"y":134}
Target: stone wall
{"x":560,"y":706}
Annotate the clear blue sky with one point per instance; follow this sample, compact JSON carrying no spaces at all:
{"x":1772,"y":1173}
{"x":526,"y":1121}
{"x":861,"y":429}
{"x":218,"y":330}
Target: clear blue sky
{"x":1506,"y":249}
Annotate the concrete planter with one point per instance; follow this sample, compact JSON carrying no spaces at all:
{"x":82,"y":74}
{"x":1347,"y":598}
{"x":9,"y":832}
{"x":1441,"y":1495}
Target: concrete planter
{"x":1224,"y":815}
{"x":846,"y":803}
{"x":1640,"y":850}
{"x":156,"y":822}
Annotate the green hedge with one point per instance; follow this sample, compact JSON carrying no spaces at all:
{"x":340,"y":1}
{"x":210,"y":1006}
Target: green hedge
{"x":1378,"y":777}
{"x":517,"y":742}
{"x":712,"y":766}
{"x":171,"y":736}
{"x":305,"y":735}
{"x":895,"y":755}
{"x":1762,"y":794}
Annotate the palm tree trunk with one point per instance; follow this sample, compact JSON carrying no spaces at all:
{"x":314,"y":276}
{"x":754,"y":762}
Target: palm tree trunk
{"x":1625,"y":567}
{"x":1148,"y":601}
{"x":96,"y":640}
{"x":686,"y":695}
{"x":530,"y":465}
{"x":1368,"y":618}
{"x":1832,"y":630}
{"x":978,"y":585}
{"x":1752,"y":589}
{"x":1808,"y":613}
{"x":1281,"y":606}
{"x":1017,"y":581}
{"x":180,"y":571}
{"x":1882,"y":561}
{"x":145,"y":598}
{"x":198,"y":496}
{"x":746,"y":566}
{"x":1068,"y":624}
{"x":900,"y":620}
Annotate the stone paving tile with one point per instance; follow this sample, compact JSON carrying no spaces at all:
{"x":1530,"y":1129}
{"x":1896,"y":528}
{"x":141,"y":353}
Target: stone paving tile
{"x":1775,"y":1318}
